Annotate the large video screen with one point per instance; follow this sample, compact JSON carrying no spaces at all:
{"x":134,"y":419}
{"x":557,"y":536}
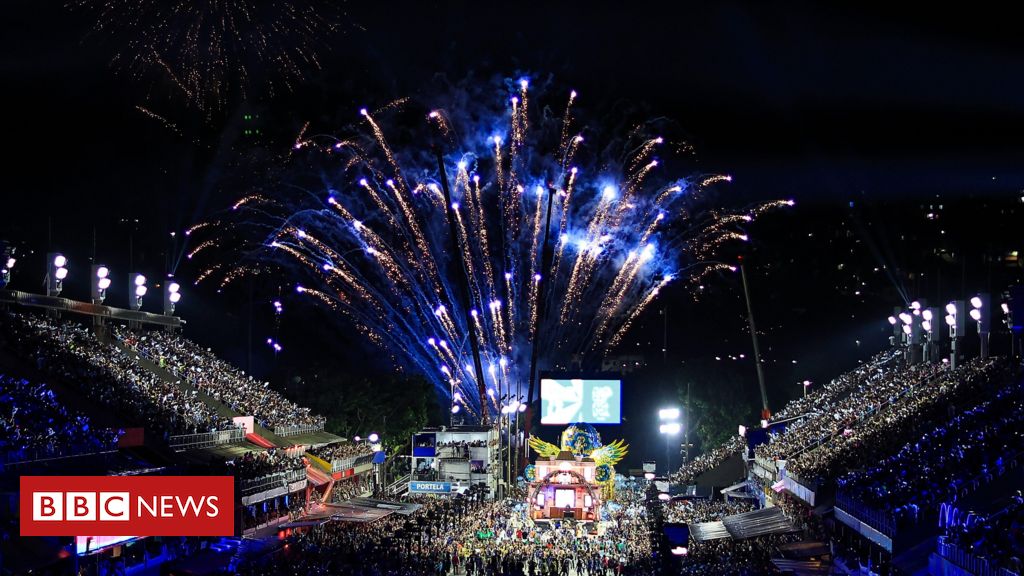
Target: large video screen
{"x":568,"y":400}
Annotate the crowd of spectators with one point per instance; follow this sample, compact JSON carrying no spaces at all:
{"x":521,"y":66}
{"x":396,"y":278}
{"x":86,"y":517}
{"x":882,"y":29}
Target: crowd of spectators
{"x":258,"y":464}
{"x":913,"y":397}
{"x":998,"y":538}
{"x":228,"y":385}
{"x":107,"y":375}
{"x":490,"y":538}
{"x":34,"y":424}
{"x":861,"y":394}
{"x":341,"y":450}
{"x":723,"y":556}
{"x":813,"y":405}
{"x":697,"y":510}
{"x":709,"y":460}
{"x":463,"y":444}
{"x":946,"y":462}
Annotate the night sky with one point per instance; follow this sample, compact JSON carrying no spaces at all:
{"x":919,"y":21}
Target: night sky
{"x":869,"y":119}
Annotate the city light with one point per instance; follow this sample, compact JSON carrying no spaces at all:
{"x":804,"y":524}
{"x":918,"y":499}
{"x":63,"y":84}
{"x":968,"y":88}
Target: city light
{"x":670,"y":428}
{"x":373,"y":438}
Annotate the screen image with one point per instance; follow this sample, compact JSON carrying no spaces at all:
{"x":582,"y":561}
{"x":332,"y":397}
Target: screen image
{"x":565,"y":498}
{"x":568,"y":400}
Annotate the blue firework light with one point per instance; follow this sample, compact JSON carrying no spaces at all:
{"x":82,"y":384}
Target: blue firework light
{"x":360,"y":222}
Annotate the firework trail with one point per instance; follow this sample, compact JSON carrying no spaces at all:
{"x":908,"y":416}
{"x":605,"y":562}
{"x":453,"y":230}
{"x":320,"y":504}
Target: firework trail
{"x":208,"y":50}
{"x":359,"y":224}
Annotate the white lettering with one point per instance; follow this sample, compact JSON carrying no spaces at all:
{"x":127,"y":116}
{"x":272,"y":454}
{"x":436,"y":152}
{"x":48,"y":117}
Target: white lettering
{"x":149,"y":508}
{"x":211,"y":503}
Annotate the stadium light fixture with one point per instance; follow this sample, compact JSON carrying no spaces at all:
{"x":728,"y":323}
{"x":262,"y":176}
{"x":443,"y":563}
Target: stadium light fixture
{"x":668,"y":414}
{"x":927,"y":315}
{"x":136,"y":290}
{"x":101,"y":282}
{"x":57,"y":271}
{"x":980,"y":305}
{"x":892,"y":320}
{"x":10,"y":262}
{"x":670,"y":428}
{"x":373,"y":438}
{"x":951,"y":309}
{"x":906,"y":318}
{"x":172,"y":295}
{"x":915,"y":305}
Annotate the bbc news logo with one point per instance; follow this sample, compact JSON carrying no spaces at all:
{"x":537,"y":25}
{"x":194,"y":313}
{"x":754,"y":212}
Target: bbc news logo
{"x":143,"y":505}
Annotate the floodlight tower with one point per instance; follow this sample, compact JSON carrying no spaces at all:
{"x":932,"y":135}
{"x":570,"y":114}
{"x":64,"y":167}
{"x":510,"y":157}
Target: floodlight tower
{"x":100,"y":283}
{"x":8,"y":265}
{"x":897,"y":327}
{"x":136,"y":290}
{"x":172,"y":295}
{"x":956,"y":319}
{"x":56,"y":273}
{"x":670,"y":426}
{"x":981,"y":312}
{"x":932,"y":334}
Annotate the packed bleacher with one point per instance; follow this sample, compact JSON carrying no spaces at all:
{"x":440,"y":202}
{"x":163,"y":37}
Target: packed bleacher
{"x":72,"y":353}
{"x":34,"y":424}
{"x":948,"y":461}
{"x":912,"y":396}
{"x":707,"y":461}
{"x":700,"y":510}
{"x":228,"y":385}
{"x":835,"y":409}
{"x":996,"y":540}
{"x":257,"y":464}
{"x":341,"y":450}
{"x":815,"y":405}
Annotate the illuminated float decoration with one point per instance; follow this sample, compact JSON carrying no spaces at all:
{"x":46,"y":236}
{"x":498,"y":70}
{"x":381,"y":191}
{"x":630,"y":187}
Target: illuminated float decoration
{"x":571,"y":480}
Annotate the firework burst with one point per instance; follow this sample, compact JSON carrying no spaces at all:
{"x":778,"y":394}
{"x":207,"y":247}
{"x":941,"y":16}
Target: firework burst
{"x":361,"y":224}
{"x":208,"y":50}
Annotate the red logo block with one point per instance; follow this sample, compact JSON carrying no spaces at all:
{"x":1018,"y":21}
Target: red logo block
{"x":113,"y":505}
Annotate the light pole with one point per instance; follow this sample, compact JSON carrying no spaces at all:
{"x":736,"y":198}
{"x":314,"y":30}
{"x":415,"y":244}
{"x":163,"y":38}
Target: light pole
{"x":956,"y":319}
{"x":806,"y":385}
{"x":670,"y":426}
{"x":980,"y":313}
